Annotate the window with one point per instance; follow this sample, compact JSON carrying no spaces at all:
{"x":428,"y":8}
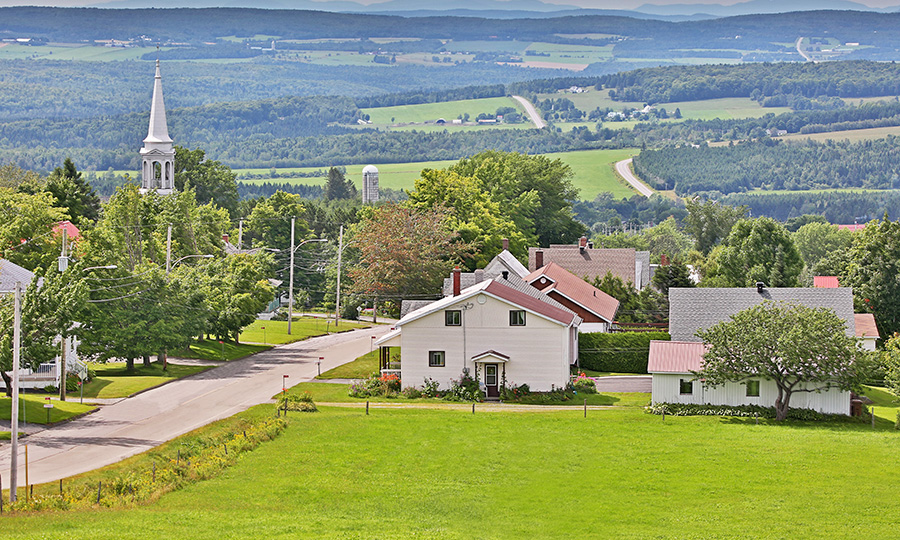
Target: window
{"x":752,"y":388}
{"x":453,"y":318}
{"x":435,"y":358}
{"x":517,"y":318}
{"x":686,"y":386}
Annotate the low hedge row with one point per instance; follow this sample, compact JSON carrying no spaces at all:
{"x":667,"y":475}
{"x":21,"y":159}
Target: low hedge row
{"x":745,"y":411}
{"x":624,"y":352}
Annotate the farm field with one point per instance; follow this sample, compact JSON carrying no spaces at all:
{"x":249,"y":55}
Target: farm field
{"x":74,"y":51}
{"x":852,"y":135}
{"x":593,"y":172}
{"x":448,"y":110}
{"x":449,"y":474}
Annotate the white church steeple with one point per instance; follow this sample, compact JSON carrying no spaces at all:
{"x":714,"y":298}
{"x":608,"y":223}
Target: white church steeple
{"x":158,"y":155}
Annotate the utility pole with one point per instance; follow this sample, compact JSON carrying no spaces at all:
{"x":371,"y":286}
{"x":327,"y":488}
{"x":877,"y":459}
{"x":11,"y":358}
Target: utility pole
{"x":169,"y":249}
{"x":63,"y":265}
{"x":14,"y":427}
{"x":240,"y":245}
{"x":337,"y":302}
{"x":291,"y":286}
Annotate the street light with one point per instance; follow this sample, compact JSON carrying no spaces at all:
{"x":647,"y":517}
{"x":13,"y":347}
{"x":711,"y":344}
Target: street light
{"x":107,"y":267}
{"x":172,"y":265}
{"x":291,"y":286}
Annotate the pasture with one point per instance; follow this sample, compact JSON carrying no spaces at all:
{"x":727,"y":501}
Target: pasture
{"x":593,"y":172}
{"x":448,"y":110}
{"x":442,"y":472}
{"x":853,"y":135}
{"x":73,"y":51}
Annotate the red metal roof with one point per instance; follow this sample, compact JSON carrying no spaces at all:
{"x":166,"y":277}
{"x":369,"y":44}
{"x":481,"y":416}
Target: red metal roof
{"x":865,"y":325}
{"x":71,"y":230}
{"x":577,"y":290}
{"x":826,"y":282}
{"x":853,"y":226}
{"x":675,"y":356}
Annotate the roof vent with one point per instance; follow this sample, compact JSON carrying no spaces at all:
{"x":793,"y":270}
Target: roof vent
{"x":505,"y":274}
{"x":760,"y":287}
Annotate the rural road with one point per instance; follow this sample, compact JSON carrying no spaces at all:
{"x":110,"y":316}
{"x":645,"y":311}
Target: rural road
{"x":622,"y":167}
{"x":532,"y":112}
{"x":137,"y":424}
{"x":803,"y":54}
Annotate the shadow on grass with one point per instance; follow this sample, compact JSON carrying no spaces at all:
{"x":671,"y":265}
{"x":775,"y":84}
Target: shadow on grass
{"x":93,"y":388}
{"x":850,"y":424}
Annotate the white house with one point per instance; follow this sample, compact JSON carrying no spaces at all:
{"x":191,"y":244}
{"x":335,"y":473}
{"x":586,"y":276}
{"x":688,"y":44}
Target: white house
{"x":500,"y":330}
{"x":672,"y":363}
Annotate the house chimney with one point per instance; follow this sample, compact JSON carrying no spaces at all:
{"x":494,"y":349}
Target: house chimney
{"x":505,"y":244}
{"x":225,"y":238}
{"x":456,"y":273}
{"x":760,"y":286}
{"x":663,"y":260}
{"x":479,"y":275}
{"x":582,"y":243}
{"x":590,"y":245}
{"x":538,"y":259}
{"x":505,"y":274}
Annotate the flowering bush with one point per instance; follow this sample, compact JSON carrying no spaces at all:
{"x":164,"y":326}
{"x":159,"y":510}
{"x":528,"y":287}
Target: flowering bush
{"x":387,"y":385}
{"x":583,"y":383}
{"x":513,"y":392}
{"x":464,"y":389}
{"x":430,"y":388}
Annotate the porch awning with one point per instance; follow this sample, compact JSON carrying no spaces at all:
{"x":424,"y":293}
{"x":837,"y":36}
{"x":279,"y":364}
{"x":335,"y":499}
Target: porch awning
{"x":391,"y":339}
{"x":490,"y":357}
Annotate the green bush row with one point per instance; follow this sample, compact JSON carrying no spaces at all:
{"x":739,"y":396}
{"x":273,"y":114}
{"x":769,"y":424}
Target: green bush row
{"x":623,"y":352}
{"x":745,"y":411}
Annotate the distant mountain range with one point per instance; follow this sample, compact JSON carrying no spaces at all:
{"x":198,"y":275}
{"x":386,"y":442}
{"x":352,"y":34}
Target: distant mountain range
{"x":504,"y":9}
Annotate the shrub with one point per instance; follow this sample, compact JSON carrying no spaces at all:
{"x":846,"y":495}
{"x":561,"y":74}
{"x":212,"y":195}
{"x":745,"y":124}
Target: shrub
{"x":625,"y":352}
{"x":745,"y":411}
{"x":411,"y":392}
{"x":513,"y":392}
{"x":430,"y":388}
{"x":464,"y":389}
{"x":301,"y":403}
{"x":387,"y":385}
{"x":390,"y":383}
{"x":583,"y":383}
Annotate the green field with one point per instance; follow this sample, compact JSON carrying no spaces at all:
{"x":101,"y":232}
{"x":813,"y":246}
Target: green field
{"x":114,"y":381}
{"x":593,"y":172}
{"x":360,"y":368}
{"x":449,"y":474}
{"x":275,"y":332}
{"x":448,"y":110}
{"x":81,"y":52}
{"x":31,"y":408}
{"x":852,"y":135}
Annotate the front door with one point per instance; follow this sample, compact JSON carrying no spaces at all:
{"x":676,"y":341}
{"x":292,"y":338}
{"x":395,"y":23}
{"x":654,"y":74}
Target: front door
{"x":491,"y":383}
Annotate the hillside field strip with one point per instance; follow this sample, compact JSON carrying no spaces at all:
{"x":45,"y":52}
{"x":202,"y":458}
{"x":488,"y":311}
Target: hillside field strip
{"x":74,"y":51}
{"x":593,"y":172}
{"x":448,"y":110}
{"x":440,"y":472}
{"x":852,"y":135}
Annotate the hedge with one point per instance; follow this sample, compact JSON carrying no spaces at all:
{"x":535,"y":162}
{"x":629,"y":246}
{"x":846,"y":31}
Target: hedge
{"x":623,"y":352}
{"x":746,"y":411}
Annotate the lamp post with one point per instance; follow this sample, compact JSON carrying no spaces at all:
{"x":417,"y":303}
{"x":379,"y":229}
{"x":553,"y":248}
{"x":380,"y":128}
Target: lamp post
{"x":291,"y":285}
{"x":170,"y":266}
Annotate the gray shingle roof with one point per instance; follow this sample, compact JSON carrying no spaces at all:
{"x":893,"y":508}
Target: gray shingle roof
{"x":590,"y":263}
{"x":504,"y":261}
{"x":11,"y":273}
{"x":696,"y":309}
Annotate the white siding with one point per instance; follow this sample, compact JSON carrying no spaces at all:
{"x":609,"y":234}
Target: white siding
{"x":665,"y":388}
{"x":539,"y":352}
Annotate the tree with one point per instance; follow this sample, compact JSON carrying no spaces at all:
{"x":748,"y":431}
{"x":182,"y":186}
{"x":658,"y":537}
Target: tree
{"x":667,"y":239}
{"x":674,"y":274}
{"x":337,"y":186}
{"x":799,"y":348}
{"x":236,"y":290}
{"x":890,"y":360}
{"x":759,"y":250}
{"x":12,"y":176}
{"x":210,"y":180}
{"x":270,"y":220}
{"x":873,"y":268}
{"x":816,"y":240}
{"x":646,"y":306}
{"x":404,"y":252}
{"x":26,"y":228}
{"x":710,"y":222}
{"x":74,"y":194}
{"x":128,"y":235}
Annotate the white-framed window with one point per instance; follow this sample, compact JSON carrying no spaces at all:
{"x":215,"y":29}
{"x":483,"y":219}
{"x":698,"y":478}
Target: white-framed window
{"x":753,"y":388}
{"x":436,"y":358}
{"x":685,"y":387}
{"x":453,"y":317}
{"x":517,"y":317}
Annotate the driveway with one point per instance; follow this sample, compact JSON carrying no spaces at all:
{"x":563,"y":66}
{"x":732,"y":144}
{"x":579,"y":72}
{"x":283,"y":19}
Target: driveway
{"x":134,"y":425}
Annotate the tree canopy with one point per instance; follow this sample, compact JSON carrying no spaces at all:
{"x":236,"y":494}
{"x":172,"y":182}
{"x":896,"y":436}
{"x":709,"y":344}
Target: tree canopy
{"x":757,"y":250}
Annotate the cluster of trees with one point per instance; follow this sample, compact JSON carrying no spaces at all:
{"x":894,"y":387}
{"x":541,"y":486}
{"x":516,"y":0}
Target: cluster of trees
{"x":773,"y":165}
{"x":835,"y":206}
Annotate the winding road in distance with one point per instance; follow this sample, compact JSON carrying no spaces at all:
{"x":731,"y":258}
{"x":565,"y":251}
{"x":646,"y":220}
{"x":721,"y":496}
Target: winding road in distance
{"x":532,"y":112}
{"x":624,"y":169}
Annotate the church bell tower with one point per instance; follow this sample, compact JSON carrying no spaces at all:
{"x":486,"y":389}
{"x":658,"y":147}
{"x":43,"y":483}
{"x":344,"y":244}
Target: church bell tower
{"x":158,"y":155}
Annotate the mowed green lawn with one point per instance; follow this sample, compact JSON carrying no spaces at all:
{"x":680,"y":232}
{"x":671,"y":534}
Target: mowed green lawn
{"x":31,"y":409}
{"x":114,"y":381}
{"x":594,"y":172}
{"x":449,"y":474}
{"x":275,"y":332}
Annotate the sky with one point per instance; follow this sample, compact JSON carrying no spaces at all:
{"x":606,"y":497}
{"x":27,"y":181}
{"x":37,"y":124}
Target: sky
{"x":600,"y":4}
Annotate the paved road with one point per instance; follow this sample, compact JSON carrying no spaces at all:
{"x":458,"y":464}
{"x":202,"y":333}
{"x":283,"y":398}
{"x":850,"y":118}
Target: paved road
{"x":624,"y":169}
{"x":532,"y":112}
{"x":805,"y":56}
{"x":137,"y":424}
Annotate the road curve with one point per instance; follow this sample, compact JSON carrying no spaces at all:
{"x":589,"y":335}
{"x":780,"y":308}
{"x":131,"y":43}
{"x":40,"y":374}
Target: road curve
{"x":805,"y":56}
{"x":142,"y":422}
{"x":624,"y":170}
{"x":532,"y":112}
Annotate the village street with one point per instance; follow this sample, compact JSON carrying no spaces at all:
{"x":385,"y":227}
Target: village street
{"x":134,"y":425}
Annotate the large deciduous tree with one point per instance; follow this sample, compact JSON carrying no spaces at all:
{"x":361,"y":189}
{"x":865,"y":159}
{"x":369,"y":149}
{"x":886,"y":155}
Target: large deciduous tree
{"x":210,"y":180}
{"x":710,"y":222}
{"x":873,"y":270}
{"x":404,"y":252}
{"x":26,"y":228}
{"x":816,"y":240}
{"x":799,"y":348}
{"x":758,"y":250}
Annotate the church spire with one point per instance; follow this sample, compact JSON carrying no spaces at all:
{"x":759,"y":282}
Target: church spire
{"x":158,"y":155}
{"x":159,"y":130}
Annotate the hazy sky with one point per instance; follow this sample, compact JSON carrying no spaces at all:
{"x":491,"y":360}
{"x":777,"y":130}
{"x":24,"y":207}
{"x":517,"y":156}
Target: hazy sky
{"x":604,"y":4}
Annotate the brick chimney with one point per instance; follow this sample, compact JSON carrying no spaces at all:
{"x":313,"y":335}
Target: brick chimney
{"x":663,"y":260}
{"x":505,"y":244}
{"x":456,"y":285}
{"x":538,"y":259}
{"x":225,"y":238}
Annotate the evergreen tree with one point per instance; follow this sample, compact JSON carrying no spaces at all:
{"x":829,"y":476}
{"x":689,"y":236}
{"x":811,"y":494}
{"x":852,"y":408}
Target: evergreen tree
{"x":337,"y":186}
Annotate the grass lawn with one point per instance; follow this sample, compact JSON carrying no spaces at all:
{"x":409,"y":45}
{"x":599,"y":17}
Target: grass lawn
{"x":211,"y":349}
{"x":442,"y":474}
{"x":31,"y":408}
{"x":114,"y":381}
{"x":360,"y":368}
{"x":275,"y":332}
